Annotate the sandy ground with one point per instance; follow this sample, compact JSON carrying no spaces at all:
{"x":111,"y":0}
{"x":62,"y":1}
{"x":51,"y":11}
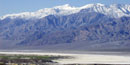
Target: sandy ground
{"x":83,"y":58}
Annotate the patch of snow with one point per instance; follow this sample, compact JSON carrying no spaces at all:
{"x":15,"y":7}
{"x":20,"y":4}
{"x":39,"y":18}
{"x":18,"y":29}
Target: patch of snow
{"x":112,"y":10}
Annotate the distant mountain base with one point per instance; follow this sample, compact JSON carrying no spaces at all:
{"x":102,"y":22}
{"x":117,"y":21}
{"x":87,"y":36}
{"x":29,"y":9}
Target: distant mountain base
{"x":117,"y":46}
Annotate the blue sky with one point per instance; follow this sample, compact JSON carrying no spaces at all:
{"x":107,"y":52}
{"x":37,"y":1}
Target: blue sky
{"x":17,"y":6}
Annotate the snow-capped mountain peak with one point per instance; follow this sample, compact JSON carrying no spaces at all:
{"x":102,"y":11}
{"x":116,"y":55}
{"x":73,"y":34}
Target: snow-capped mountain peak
{"x":92,"y":5}
{"x":112,"y":11}
{"x":64,"y":7}
{"x":58,"y":10}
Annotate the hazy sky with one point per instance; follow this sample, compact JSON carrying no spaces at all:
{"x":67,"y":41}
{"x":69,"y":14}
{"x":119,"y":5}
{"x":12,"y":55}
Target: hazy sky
{"x":17,"y":6}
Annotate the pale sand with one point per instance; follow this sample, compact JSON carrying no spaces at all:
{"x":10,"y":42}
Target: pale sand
{"x":82,"y":58}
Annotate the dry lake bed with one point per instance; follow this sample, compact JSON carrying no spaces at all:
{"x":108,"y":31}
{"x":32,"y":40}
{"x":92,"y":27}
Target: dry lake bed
{"x":85,"y":59}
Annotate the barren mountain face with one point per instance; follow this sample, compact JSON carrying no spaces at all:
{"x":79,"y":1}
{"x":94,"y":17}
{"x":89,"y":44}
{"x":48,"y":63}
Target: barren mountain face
{"x":94,"y":26}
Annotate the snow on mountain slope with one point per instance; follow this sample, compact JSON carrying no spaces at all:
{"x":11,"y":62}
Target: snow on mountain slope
{"x":58,"y":10}
{"x":112,"y":11}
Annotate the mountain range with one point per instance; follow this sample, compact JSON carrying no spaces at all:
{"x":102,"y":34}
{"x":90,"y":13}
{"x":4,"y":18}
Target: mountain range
{"x":93,"y":26}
